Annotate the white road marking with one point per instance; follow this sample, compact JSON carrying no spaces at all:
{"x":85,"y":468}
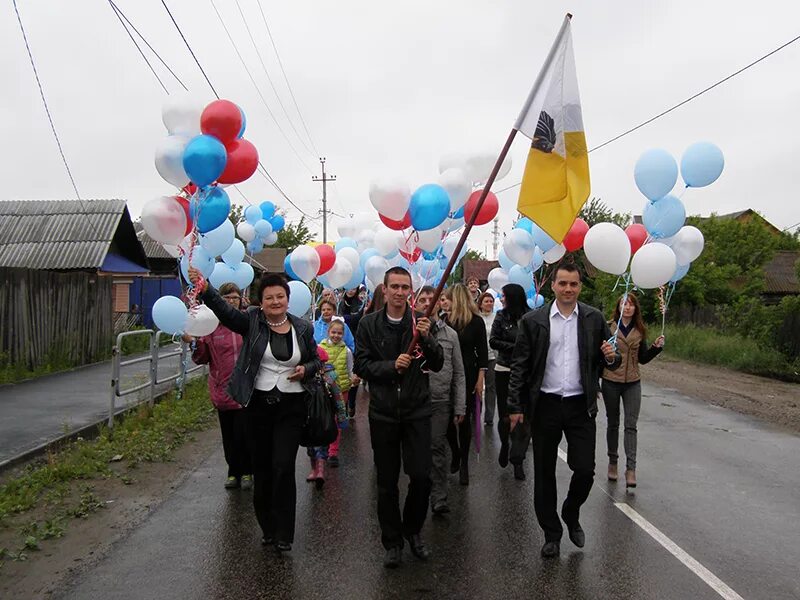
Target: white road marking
{"x":714,"y":582}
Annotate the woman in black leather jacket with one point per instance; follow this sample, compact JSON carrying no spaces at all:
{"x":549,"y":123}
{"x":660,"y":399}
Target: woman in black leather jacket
{"x":502,"y":338}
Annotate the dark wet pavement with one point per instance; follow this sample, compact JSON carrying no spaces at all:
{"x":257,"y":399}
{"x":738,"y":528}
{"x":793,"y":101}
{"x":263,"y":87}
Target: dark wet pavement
{"x":724,"y":488}
{"x":41,"y":410}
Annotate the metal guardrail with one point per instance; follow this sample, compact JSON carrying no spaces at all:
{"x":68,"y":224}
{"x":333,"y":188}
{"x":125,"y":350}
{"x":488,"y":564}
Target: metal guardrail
{"x":153,"y":357}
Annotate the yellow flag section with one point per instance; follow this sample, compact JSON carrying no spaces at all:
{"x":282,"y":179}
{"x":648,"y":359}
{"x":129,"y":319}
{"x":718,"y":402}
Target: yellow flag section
{"x":556,"y":181}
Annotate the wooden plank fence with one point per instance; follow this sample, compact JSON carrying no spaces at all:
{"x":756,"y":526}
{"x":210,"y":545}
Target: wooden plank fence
{"x":47,"y":316}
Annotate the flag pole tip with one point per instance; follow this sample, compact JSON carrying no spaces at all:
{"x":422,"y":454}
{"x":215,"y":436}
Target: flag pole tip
{"x":569,"y":16}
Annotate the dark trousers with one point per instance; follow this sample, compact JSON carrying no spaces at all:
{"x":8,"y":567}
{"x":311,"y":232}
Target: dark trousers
{"x":412,"y":441}
{"x":233,"y":425}
{"x":273,"y":432}
{"x":553,"y":416}
{"x":352,"y":394}
{"x":521,"y":436}
{"x":460,"y":437}
{"x":631,"y":396}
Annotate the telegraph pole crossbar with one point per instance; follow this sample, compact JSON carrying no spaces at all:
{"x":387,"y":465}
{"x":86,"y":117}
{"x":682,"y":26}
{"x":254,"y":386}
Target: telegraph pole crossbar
{"x":324,"y":180}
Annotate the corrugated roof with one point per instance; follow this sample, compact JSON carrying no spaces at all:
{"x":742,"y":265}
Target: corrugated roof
{"x":780,"y":276}
{"x":478,"y":268}
{"x":57,"y":234}
{"x":152,"y":248}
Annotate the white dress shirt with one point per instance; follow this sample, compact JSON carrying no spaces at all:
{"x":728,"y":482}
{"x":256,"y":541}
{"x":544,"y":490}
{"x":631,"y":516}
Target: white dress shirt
{"x":562,"y":373}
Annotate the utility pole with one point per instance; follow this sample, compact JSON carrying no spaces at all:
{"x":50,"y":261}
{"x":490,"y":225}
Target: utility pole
{"x":324,"y":179}
{"x":496,"y":236}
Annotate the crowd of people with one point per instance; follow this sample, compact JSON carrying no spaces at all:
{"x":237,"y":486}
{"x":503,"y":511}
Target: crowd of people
{"x":432,"y":374}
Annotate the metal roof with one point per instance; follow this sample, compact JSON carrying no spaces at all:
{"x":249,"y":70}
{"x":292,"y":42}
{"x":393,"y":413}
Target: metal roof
{"x":780,"y":276}
{"x":57,"y":234}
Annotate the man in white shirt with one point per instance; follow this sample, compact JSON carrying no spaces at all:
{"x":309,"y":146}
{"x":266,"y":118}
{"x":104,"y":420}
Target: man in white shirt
{"x":560,"y":353}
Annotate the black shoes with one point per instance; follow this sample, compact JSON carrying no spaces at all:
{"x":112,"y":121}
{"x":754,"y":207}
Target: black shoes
{"x":519,"y":473}
{"x":503,"y":457}
{"x":576,"y":533}
{"x":551,"y":549}
{"x":440,"y":508}
{"x":418,"y":547}
{"x":463,"y":475}
{"x":455,"y":463}
{"x":283,"y":546}
{"x":267,"y":540}
{"x":393,"y":557}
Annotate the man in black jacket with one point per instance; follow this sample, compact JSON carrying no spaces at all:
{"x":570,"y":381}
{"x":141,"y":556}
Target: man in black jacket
{"x":399,"y":411}
{"x":560,"y":354}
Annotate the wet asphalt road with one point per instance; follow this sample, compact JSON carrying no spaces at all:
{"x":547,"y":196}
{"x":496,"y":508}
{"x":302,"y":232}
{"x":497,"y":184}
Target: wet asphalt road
{"x":38,"y":411}
{"x":723,"y":487}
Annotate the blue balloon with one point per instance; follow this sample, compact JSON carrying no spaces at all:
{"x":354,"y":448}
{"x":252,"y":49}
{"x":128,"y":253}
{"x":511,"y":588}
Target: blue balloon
{"x":701,"y":164}
{"x":287,"y":267}
{"x":170,"y":314}
{"x":680,"y":272}
{"x":235,"y":254}
{"x":521,"y":276}
{"x":209,"y":209}
{"x":252,"y":214}
{"x":664,"y":217}
{"x":204,"y":159}
{"x":429,"y":207}
{"x":459,"y":214}
{"x":403,"y":262}
{"x":277,"y":222}
{"x":299,"y":298}
{"x":356,"y":280}
{"x":536,"y":302}
{"x":263,"y":228}
{"x":366,"y":255}
{"x":540,"y":238}
{"x":218,"y":240}
{"x":655,"y":173}
{"x":256,"y":246}
{"x":267,"y":210}
{"x":524,"y":223}
{"x":243,"y":274}
{"x":345,"y":243}
{"x":201,"y":260}
{"x":505,"y":262}
{"x":240,"y":135}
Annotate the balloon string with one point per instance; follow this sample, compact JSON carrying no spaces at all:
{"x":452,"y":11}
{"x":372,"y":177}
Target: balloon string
{"x":626,"y":277}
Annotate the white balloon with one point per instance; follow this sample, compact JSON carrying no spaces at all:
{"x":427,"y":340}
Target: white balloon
{"x":164,"y":220}
{"x":376,"y":268}
{"x":417,"y":281}
{"x":608,"y":248}
{"x":688,"y":244}
{"x":390,"y":198}
{"x":497,"y":278}
{"x":386,"y":241}
{"x":271,"y":239}
{"x":347,"y":229}
{"x":555,"y":254}
{"x":457,"y":185}
{"x":429,"y":240}
{"x":454,"y":160}
{"x":365,"y":239}
{"x":172,"y":250}
{"x":340,"y":273}
{"x":304,"y":261}
{"x":169,"y":159}
{"x":653,"y":265}
{"x":449,"y":245}
{"x":350,"y":255}
{"x":519,"y":247}
{"x":181,"y":114}
{"x":201,"y":321}
{"x":246,"y":231}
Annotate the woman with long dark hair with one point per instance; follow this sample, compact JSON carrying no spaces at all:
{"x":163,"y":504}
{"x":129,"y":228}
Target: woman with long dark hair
{"x":502,"y":339}
{"x":625,"y":383}
{"x":463,"y":316}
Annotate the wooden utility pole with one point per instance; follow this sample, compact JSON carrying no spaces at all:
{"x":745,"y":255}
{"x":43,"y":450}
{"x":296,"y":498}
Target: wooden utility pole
{"x":324,"y":179}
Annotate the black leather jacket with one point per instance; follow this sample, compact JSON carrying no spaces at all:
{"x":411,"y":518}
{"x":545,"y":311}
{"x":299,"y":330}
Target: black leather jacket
{"x":252,"y":326}
{"x":503,"y":337}
{"x":530,"y":357}
{"x":395,"y":397}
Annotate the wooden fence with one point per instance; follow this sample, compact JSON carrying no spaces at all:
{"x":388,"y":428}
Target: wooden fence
{"x":47,"y":316}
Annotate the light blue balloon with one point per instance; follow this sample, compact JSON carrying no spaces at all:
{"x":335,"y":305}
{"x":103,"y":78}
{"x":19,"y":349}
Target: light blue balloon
{"x":366,"y":255}
{"x":524,"y":223}
{"x":263,"y":228}
{"x":287,"y":267}
{"x":253,"y":214}
{"x":267,"y":210}
{"x":277,"y":222}
{"x":235,"y":254}
{"x":536,"y":302}
{"x":255,"y":246}
{"x":218,"y":240}
{"x":655,"y":173}
{"x":243,"y":275}
{"x":210,"y":208}
{"x":240,"y":135}
{"x":680,"y":272}
{"x":170,"y":314}
{"x":541,"y":239}
{"x":505,"y":262}
{"x":345,"y":243}
{"x":222,"y":274}
{"x":299,"y":298}
{"x":204,"y":159}
{"x":429,"y":207}
{"x":538,"y":259}
{"x":521,"y":276}
{"x":702,"y":164}
{"x":664,"y":217}
{"x":403,"y":262}
{"x":201,"y":260}
{"x":356,"y":280}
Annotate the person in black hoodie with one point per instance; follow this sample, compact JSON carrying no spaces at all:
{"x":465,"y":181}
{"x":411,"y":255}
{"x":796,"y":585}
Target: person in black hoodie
{"x":399,"y":411}
{"x":503,"y":338}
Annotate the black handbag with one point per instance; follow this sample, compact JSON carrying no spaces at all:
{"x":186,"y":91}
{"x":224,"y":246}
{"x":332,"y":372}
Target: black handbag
{"x":320,"y":428}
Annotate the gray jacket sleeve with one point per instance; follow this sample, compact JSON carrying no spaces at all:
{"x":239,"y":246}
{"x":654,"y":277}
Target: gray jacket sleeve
{"x":458,"y":390}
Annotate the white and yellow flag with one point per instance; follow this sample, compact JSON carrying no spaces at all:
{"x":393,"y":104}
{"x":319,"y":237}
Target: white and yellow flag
{"x":556,"y":181}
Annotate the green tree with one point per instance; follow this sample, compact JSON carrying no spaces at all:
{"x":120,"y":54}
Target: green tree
{"x":294,"y":235}
{"x":457,"y":276}
{"x":596,"y":211}
{"x":236,"y":215}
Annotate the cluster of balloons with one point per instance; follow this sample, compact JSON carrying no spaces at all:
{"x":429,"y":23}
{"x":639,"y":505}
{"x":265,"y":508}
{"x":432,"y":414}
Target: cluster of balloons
{"x":260,"y":226}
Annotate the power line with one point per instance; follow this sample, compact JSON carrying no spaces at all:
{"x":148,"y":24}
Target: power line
{"x":135,"y":43}
{"x":272,"y":181}
{"x":258,"y":90}
{"x":679,"y":104}
{"x":174,"y":22}
{"x":153,"y":50}
{"x":285,"y":78}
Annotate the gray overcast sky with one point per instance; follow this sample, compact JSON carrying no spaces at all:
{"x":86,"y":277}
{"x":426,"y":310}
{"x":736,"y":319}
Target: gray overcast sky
{"x":387,"y":88}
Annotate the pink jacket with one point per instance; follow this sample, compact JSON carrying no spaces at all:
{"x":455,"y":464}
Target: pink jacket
{"x":220,"y":351}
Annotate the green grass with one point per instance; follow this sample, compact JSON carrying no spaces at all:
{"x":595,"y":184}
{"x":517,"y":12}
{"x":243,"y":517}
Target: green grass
{"x":707,"y":345}
{"x":59,"y":488}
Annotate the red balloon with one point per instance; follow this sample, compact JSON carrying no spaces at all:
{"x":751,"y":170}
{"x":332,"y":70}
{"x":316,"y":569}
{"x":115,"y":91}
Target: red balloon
{"x":637,"y":234}
{"x":327,"y":256}
{"x":397,"y":225}
{"x":242,"y":162}
{"x":487,"y":212}
{"x":411,"y":257}
{"x":189,"y":189}
{"x":574,"y":239}
{"x":222,"y":119}
{"x":184,"y":202}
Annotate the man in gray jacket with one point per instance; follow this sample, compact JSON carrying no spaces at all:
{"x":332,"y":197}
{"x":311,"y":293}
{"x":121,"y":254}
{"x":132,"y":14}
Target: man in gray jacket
{"x":448,"y":393}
